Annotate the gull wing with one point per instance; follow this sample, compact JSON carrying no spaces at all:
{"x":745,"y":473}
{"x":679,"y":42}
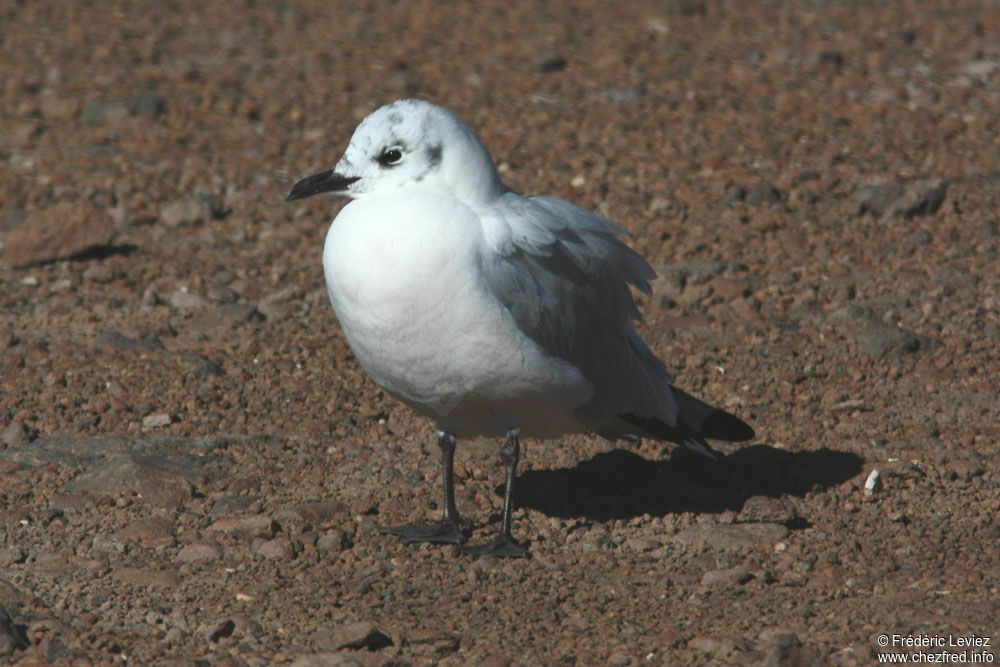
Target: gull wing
{"x":564,"y":275}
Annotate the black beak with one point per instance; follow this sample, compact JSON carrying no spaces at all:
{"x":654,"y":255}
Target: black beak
{"x":324,"y":181}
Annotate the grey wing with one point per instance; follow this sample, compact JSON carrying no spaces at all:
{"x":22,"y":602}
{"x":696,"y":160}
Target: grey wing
{"x":564,"y":276}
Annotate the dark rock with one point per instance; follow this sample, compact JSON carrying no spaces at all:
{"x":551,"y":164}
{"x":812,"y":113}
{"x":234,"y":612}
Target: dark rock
{"x":12,"y":635}
{"x":765,"y":509}
{"x":830,"y":58}
{"x":209,"y":368}
{"x":220,"y":630}
{"x":548,"y":60}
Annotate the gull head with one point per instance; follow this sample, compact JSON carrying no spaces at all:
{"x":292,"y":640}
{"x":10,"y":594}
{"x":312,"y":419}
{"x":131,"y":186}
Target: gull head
{"x":409,"y":146}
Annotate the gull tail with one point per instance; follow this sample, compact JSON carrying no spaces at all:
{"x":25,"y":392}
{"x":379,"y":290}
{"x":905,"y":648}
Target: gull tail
{"x":696,"y":421}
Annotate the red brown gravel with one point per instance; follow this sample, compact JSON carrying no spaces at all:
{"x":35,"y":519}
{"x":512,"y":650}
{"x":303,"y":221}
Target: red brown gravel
{"x":193,"y":467}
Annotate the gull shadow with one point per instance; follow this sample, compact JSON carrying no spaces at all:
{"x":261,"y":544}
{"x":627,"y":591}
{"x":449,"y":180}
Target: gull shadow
{"x":621,"y":484}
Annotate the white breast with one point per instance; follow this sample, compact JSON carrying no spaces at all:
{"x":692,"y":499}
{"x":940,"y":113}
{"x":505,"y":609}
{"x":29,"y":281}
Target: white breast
{"x":403,"y":281}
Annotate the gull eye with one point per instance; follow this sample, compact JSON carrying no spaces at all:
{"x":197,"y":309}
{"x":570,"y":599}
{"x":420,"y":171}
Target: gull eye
{"x":390,"y":156}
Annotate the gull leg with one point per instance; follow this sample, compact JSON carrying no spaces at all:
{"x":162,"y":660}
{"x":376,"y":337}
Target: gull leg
{"x":450,"y":528}
{"x":505,"y":544}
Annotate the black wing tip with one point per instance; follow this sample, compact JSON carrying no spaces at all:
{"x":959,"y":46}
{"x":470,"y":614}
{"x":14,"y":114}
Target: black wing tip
{"x":721,"y":425}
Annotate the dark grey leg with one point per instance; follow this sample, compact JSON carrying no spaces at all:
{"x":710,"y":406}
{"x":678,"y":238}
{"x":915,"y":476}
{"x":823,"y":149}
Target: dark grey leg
{"x":505,"y":544}
{"x":450,"y":529}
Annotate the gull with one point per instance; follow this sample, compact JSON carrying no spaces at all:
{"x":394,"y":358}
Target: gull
{"x":492,"y":313}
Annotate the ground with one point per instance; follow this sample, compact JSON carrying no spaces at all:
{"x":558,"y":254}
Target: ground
{"x":193,"y":467}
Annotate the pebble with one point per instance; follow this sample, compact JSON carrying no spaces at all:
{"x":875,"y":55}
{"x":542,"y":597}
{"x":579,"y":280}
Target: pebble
{"x":358,"y":635}
{"x":190,"y":210}
{"x":549,"y":60}
{"x":877,"y":340}
{"x":731,"y":537}
{"x":15,"y":434}
{"x":873,"y":483}
{"x":146,"y":577}
{"x":765,"y":509}
{"x":61,"y":231}
{"x":12,"y":637}
{"x":199,"y":552}
{"x":246,"y":527}
{"x":209,"y":368}
{"x":161,"y":481}
{"x":98,"y":113}
{"x":312,"y":513}
{"x":157,"y":420}
{"x":731,"y":576}
{"x":279,"y":548}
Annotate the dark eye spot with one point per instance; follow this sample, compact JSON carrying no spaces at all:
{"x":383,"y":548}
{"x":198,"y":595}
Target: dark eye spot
{"x":390,"y":156}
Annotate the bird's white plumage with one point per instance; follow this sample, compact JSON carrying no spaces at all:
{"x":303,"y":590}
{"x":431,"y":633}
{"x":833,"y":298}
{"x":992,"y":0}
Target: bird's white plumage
{"x":479,"y":307}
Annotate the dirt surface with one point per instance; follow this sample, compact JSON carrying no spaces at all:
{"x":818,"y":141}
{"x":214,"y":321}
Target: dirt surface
{"x":193,"y":467}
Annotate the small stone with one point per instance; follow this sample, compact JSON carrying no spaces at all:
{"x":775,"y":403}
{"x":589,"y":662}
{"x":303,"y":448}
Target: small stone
{"x":312,"y":513}
{"x":198,"y":552}
{"x":878,"y":339}
{"x":731,"y":576}
{"x":279,"y":548}
{"x":351,"y":635}
{"x":182,"y":299}
{"x":143,"y":577}
{"x":734,"y":537}
{"x":221,"y":630}
{"x":156,"y":421}
{"x":438,"y":641}
{"x":876,"y":198}
{"x":765,"y":509}
{"x":246,"y":527}
{"x":209,"y":368}
{"x":548,"y":60}
{"x":150,"y":531}
{"x":61,"y":231}
{"x":334,"y":541}
{"x":873,"y":483}
{"x":15,"y":434}
{"x":920,"y":198}
{"x":161,"y":481}
{"x":232,"y":504}
{"x":12,"y":555}
{"x":98,"y":113}
{"x":762,"y":193}
{"x":120,"y":341}
{"x":191,"y":210}
{"x":12,"y":635}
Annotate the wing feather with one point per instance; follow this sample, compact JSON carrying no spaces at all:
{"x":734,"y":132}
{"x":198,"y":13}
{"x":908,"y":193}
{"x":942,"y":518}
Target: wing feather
{"x":564,"y":275}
